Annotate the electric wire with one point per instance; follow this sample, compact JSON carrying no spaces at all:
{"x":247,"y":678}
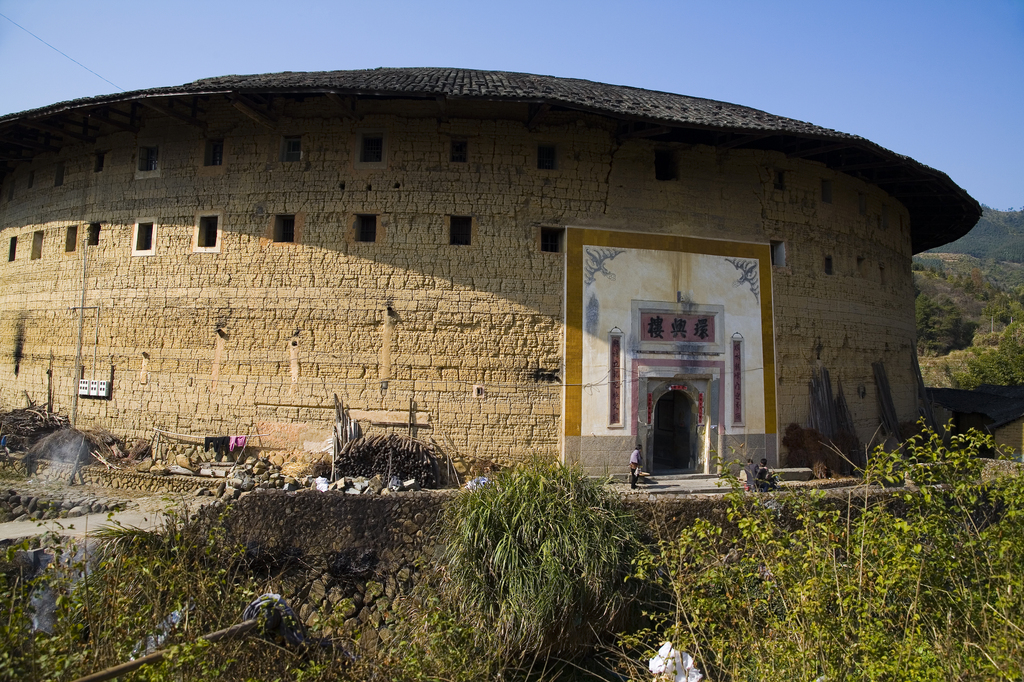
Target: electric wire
{"x":61,"y":52}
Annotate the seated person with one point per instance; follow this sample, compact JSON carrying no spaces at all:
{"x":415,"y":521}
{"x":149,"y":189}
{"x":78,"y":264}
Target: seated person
{"x":764,"y":478}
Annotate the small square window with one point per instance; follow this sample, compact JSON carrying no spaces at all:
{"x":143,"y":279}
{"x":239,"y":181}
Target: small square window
{"x":37,"y":245}
{"x":148,"y":157}
{"x":862,"y":203}
{"x":778,"y":254}
{"x":828,"y":265}
{"x":366,"y":228}
{"x":214,"y":154}
{"x":372,"y":149}
{"x":664,"y":165}
{"x":71,"y":239}
{"x":31,"y":179}
{"x":780,"y":180}
{"x":12,"y":252}
{"x":144,"y":237}
{"x":460,"y":151}
{"x":546,"y":156}
{"x":284,"y":228}
{"x":206,"y":238}
{"x":98,"y":161}
{"x":291,"y":149}
{"x":461,"y":230}
{"x":551,"y":239}
{"x":94,"y":234}
{"x":826,"y":191}
{"x":58,"y":175}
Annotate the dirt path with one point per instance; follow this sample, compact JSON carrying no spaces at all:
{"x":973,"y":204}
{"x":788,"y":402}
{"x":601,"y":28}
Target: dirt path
{"x":144,"y":510}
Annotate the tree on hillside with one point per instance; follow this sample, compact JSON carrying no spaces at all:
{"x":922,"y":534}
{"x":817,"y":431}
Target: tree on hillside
{"x":1002,"y":365}
{"x":940,"y":326}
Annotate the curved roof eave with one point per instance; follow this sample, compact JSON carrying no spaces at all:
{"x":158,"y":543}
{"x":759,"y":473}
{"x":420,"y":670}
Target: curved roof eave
{"x":940,"y":210}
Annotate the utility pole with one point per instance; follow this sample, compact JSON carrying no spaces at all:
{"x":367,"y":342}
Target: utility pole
{"x":78,"y":347}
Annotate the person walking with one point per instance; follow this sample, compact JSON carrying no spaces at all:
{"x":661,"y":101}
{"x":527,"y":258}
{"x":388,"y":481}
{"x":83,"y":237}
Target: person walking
{"x":750,"y":475}
{"x":634,"y":467}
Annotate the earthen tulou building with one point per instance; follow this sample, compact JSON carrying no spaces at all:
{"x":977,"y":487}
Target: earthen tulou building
{"x":524,"y":264}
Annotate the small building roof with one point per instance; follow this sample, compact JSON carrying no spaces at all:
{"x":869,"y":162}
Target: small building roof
{"x":1001,"y":404}
{"x":940,"y":210}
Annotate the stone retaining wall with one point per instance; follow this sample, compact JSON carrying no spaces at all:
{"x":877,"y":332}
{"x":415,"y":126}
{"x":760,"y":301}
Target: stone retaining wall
{"x":125,"y":479}
{"x":337,"y":555}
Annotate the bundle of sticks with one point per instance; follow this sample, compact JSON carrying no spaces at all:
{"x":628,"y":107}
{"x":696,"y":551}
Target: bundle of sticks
{"x":26,"y":426}
{"x":388,"y":455}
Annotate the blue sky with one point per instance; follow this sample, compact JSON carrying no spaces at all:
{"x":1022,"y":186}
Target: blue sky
{"x":942,"y":82}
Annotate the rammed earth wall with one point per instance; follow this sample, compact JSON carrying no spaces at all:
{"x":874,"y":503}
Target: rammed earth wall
{"x":255,"y":336}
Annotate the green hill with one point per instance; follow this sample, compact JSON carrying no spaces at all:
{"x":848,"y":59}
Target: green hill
{"x":999,"y":236}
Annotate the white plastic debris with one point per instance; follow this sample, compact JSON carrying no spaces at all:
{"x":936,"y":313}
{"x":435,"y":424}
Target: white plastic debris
{"x":477,"y":483}
{"x":322,"y":484}
{"x":670,"y":664}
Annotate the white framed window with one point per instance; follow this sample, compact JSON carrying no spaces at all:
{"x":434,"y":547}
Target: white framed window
{"x":371,"y":149}
{"x":144,"y":237}
{"x":207,"y":235}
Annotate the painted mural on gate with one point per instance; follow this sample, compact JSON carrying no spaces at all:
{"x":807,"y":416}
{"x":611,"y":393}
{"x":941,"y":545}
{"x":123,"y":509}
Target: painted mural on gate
{"x":672,"y":351}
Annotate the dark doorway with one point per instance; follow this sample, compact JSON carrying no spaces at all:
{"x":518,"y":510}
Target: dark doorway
{"x":672,"y":417}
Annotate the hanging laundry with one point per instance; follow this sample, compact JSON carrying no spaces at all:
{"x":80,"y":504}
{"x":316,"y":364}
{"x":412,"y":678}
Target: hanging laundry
{"x":236,"y":442}
{"x":219,"y":444}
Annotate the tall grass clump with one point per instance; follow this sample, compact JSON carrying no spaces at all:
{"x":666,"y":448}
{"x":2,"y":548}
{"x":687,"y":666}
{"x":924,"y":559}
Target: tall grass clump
{"x":917,"y":582}
{"x":539,"y":558}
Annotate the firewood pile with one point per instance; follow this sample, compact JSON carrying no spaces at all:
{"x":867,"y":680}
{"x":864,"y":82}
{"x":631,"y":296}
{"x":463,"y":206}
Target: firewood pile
{"x":24,"y":427}
{"x":372,"y":456}
{"x":69,"y":445}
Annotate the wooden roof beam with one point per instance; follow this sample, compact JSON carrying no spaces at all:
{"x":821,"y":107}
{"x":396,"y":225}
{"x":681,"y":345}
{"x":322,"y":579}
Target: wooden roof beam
{"x":168,"y":111}
{"x":866,"y":166}
{"x":537,"y":115}
{"x":30,"y":144}
{"x":50,"y":128}
{"x":905,"y":180}
{"x":103,"y":115}
{"x":741,"y":140}
{"x":347,"y":105}
{"x":252,"y":111}
{"x":820,"y":149}
{"x":936,"y":194}
{"x":645,"y":132}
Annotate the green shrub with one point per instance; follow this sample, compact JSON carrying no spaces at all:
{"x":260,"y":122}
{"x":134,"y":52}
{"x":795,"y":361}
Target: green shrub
{"x":923,"y":583}
{"x":539,"y":557}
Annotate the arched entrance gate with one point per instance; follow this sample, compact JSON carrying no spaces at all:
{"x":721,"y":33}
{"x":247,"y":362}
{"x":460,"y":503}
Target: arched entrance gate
{"x":674,"y":436}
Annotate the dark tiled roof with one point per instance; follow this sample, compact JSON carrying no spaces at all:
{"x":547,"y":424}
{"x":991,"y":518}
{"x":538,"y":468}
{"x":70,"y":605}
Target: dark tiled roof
{"x":1002,"y":404}
{"x":493,"y":85}
{"x":940,"y":210}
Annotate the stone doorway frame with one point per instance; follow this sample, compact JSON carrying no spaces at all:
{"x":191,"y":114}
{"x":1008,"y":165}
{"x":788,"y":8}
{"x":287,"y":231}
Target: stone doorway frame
{"x":656,"y":385}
